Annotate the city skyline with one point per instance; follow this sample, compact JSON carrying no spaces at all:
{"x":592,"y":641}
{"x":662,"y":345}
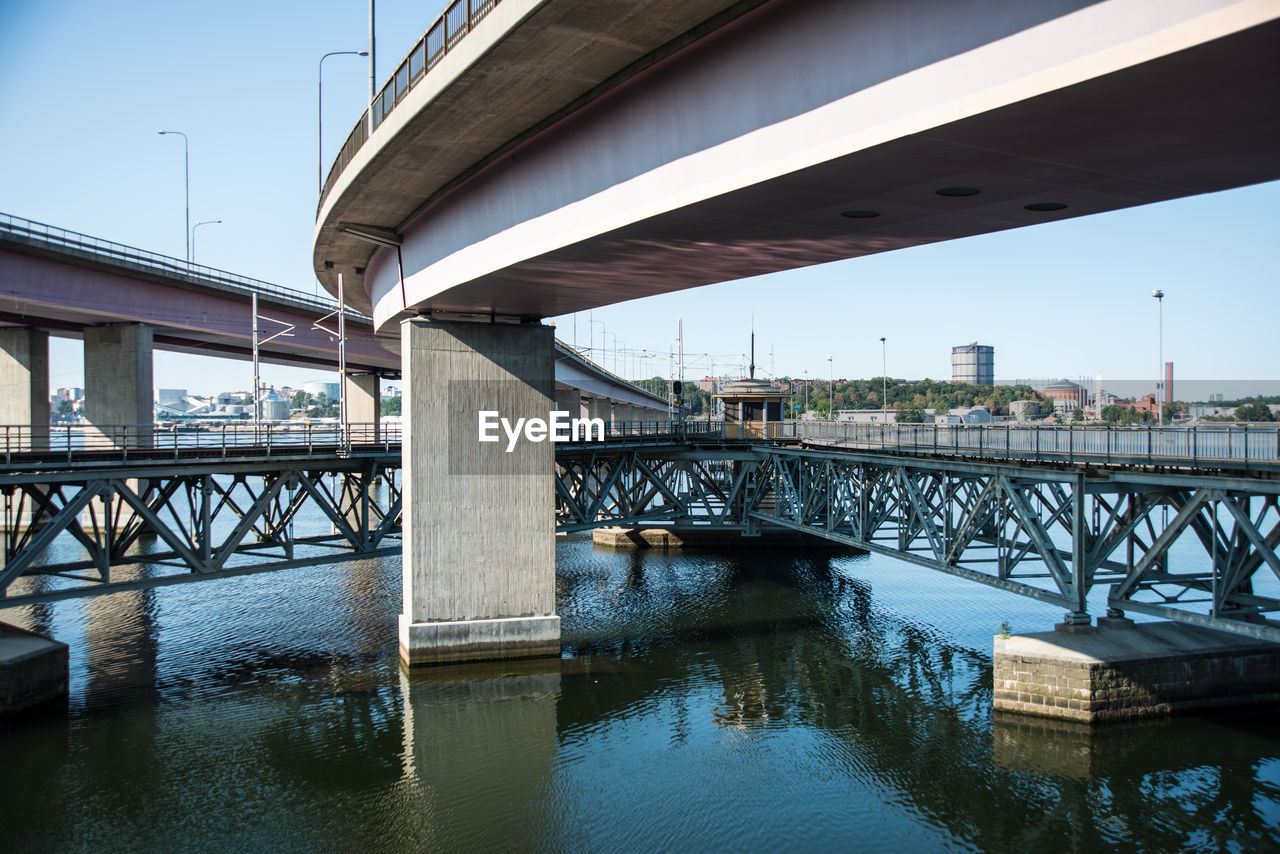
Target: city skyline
{"x":1068,"y":299}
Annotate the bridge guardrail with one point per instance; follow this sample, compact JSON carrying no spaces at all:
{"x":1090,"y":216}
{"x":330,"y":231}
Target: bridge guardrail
{"x":458,"y":19}
{"x":123,"y":441}
{"x":1235,"y":445}
{"x":38,"y":233}
{"x":66,"y":443}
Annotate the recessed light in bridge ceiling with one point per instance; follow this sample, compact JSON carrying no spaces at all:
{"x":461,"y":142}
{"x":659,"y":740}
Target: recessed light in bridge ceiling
{"x":1045,"y":206}
{"x":958,"y":191}
{"x":860,"y":214}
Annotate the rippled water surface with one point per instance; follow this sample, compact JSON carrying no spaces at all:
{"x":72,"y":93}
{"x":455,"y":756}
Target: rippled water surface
{"x":705,"y":700}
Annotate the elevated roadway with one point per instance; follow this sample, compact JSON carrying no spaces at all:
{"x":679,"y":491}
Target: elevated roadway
{"x":565,"y":154}
{"x":63,"y":282}
{"x":532,"y":158}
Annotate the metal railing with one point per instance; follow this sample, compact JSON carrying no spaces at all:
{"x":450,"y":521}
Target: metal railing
{"x":30,"y":232}
{"x":663,"y":429}
{"x":445,"y":32}
{"x":26,"y":444}
{"x":1236,"y":446}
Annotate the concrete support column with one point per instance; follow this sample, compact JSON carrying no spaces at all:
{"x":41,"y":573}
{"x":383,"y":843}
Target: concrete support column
{"x":598,"y":407}
{"x":364,"y":406}
{"x":479,"y":521}
{"x":24,"y":376}
{"x":118,"y":382}
{"x":569,"y":400}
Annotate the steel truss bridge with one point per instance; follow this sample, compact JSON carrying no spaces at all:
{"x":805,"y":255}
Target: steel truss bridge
{"x":1185,"y":539}
{"x":1053,"y":530}
{"x":141,"y":507}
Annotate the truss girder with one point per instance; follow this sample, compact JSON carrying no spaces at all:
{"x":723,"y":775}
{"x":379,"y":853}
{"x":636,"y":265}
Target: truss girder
{"x":1048,"y":534}
{"x":192,"y":523}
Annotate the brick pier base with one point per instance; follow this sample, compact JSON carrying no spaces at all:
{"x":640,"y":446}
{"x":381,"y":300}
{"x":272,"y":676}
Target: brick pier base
{"x":1143,"y":670}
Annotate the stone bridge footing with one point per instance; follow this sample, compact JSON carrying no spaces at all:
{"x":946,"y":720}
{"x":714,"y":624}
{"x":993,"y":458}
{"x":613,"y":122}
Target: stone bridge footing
{"x":1126,"y":671}
{"x":33,"y":669}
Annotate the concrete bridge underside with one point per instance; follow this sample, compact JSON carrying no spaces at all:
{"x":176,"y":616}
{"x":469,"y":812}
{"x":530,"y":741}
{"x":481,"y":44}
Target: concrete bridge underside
{"x":737,"y":153}
{"x":566,"y":154}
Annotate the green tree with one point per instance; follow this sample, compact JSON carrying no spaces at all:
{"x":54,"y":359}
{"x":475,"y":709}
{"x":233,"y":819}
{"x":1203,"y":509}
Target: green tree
{"x":1112,"y":413}
{"x":907,"y":413}
{"x":391,"y":406}
{"x":1079,"y":415}
{"x":301,"y":400}
{"x":1256,"y":411}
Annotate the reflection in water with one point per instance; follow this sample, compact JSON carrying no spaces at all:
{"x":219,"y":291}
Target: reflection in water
{"x":705,"y":700}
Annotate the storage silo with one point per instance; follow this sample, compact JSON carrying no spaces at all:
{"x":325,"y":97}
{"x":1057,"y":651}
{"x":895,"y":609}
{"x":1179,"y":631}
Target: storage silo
{"x":974,"y":364}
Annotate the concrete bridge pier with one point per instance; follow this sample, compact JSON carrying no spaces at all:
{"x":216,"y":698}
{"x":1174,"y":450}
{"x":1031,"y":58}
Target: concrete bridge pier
{"x":569,"y":400}
{"x":24,"y":376}
{"x":598,"y":407}
{"x":479,"y":521}
{"x":118,"y":382}
{"x":24,"y":404}
{"x":364,"y":403}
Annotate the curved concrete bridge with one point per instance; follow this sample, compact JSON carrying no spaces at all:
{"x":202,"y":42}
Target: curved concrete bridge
{"x":531,"y":158}
{"x":566,"y":154}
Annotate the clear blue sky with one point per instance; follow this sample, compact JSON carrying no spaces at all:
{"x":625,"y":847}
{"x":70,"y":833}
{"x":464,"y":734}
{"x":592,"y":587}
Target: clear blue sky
{"x":87,"y":85}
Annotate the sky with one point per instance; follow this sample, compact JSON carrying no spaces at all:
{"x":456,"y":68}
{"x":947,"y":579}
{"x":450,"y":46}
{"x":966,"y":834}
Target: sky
{"x":88,"y":86}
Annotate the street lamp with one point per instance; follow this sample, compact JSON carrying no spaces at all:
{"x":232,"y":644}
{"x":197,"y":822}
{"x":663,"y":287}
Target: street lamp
{"x":320,"y":112}
{"x":831,"y":407}
{"x":186,"y":167}
{"x":884,"y":382}
{"x":591,"y":336}
{"x":193,"y":235}
{"x":615,"y":348}
{"x":1159,"y":295}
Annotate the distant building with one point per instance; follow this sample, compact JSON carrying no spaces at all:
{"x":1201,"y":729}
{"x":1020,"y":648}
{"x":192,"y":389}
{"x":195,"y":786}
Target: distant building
{"x":867,"y":416}
{"x":315,"y":388}
{"x":1024,"y":410}
{"x":974,"y":364}
{"x":169,"y":395}
{"x":71,"y":393}
{"x":1066,"y":395}
{"x":709,"y":384}
{"x":274,"y":407}
{"x":966,"y":415}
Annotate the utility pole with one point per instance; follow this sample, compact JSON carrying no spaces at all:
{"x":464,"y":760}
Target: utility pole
{"x":253,"y":307}
{"x":373,"y":67}
{"x":342,"y":359}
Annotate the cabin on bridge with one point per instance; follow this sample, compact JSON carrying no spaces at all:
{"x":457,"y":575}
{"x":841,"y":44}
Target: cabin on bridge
{"x":752,"y":409}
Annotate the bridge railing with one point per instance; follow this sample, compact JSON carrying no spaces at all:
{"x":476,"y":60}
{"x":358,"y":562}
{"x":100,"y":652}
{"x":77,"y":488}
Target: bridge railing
{"x":25,"y":443}
{"x":1240,"y":445}
{"x":66,"y":241}
{"x":445,"y":32}
{"x":664,"y":429}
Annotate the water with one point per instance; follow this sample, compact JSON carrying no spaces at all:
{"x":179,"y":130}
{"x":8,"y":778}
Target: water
{"x":744,"y":701}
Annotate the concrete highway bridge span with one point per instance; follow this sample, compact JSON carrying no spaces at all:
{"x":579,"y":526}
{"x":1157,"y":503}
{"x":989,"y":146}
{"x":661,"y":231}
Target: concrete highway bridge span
{"x":530,"y":158}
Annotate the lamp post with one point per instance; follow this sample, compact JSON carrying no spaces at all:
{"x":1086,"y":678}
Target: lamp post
{"x":1159,"y":296}
{"x":591,"y":336}
{"x":884,"y":382}
{"x":615,"y":348}
{"x":320,"y":112}
{"x":193,"y":235}
{"x":831,"y":407}
{"x":186,"y":168}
